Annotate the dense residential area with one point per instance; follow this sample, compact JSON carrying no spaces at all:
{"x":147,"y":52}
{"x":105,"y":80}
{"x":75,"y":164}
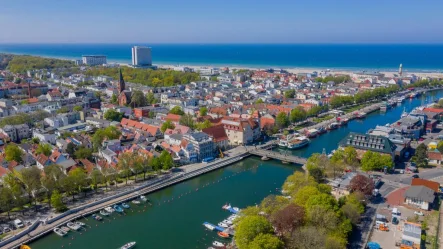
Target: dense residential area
{"x":71,"y":132}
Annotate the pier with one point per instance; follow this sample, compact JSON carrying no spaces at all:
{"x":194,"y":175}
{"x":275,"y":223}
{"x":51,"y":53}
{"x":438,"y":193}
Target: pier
{"x":279,"y":156}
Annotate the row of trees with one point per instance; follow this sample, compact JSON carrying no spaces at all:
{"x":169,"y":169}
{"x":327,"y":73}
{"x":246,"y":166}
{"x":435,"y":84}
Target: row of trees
{"x":24,"y":118}
{"x":148,"y":77}
{"x":363,"y":96}
{"x":311,"y":218}
{"x":22,"y":63}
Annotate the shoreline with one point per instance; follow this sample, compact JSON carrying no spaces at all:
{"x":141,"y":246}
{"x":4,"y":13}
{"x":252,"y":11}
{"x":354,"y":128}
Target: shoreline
{"x":389,"y":72}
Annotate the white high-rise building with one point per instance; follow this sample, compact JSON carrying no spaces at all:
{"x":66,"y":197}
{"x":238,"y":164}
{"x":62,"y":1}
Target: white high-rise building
{"x":94,"y":60}
{"x":141,"y":56}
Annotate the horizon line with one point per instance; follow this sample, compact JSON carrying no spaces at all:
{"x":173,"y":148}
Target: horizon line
{"x":217,"y":43}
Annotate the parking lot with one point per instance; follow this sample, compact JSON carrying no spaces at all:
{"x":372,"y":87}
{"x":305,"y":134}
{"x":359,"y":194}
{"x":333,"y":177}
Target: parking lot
{"x":387,"y":239}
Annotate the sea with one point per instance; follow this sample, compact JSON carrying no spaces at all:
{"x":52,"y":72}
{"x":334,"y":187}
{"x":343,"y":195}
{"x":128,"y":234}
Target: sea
{"x":375,"y":57}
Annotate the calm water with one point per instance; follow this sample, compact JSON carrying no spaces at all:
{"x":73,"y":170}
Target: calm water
{"x":178,"y":223}
{"x":349,"y":56}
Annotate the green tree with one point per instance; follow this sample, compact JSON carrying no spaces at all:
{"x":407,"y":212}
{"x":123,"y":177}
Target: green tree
{"x":7,"y":201}
{"x":63,"y":109}
{"x":282,"y":120}
{"x":125,"y":163}
{"x":109,"y":132}
{"x":272,"y":204}
{"x":78,"y":108}
{"x":259,"y":101}
{"x":31,"y":179}
{"x":113,"y":115}
{"x":83,"y":153}
{"x":203,"y":111}
{"x":150,"y":98}
{"x":138,"y":98}
{"x":166,"y":160}
{"x":52,"y":178}
{"x":114,"y":99}
{"x":187,"y":120}
{"x":203,"y":125}
{"x":248,"y":228}
{"x":96,"y":177}
{"x":298,"y":114}
{"x":350,"y":157}
{"x":374,"y":161}
{"x":79,"y":178}
{"x":176,"y":110}
{"x":266,"y":241}
{"x":421,"y":155}
{"x":13,"y":153}
{"x":44,"y":148}
{"x":57,"y":202}
{"x":289,"y":94}
{"x":70,"y":149}
{"x":167,"y":125}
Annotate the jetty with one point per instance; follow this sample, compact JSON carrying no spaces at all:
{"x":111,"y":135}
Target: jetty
{"x":265,"y":151}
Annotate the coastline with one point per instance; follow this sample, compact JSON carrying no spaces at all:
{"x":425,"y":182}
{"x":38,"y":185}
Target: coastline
{"x":389,"y":72}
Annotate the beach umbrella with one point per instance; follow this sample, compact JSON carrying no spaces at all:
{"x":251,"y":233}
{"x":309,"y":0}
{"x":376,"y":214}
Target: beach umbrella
{"x":373,"y":245}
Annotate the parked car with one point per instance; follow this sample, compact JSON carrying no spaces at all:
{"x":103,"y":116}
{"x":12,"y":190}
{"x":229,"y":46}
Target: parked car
{"x":18,"y":223}
{"x":6,"y":229}
{"x":419,"y":213}
{"x":415,"y":176}
{"x":395,"y":221}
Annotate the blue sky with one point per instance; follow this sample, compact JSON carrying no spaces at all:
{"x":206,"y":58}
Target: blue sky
{"x":227,"y":21}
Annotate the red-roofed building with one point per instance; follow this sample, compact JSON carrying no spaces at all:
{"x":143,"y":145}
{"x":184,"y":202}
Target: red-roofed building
{"x":422,"y":182}
{"x":218,"y":135}
{"x":267,"y":121}
{"x":152,"y":132}
{"x":173,"y":118}
{"x":434,"y":157}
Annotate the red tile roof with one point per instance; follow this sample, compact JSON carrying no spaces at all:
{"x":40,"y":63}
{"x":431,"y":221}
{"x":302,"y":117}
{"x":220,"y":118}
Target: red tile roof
{"x":422,"y":182}
{"x":173,"y":117}
{"x":217,"y":133}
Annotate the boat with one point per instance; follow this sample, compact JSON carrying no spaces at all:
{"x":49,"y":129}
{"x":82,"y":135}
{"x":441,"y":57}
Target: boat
{"x":136,"y":202}
{"x":222,"y":224}
{"x":332,"y":126}
{"x":265,"y":158}
{"x":297,"y":143}
{"x":25,"y":247}
{"x":227,"y":222}
{"x":400,"y":100}
{"x":73,"y":226}
{"x":412,"y":95}
{"x":81,"y":224}
{"x":218,"y":244}
{"x":283,"y":143}
{"x":223,"y":234}
{"x":65,"y":229}
{"x":236,"y":209}
{"x":124,"y":205}
{"x":109,"y":209}
{"x":104,"y":212}
{"x":404,"y":114}
{"x":97,"y":217}
{"x":117,"y":208}
{"x":322,"y":130}
{"x":209,"y":226}
{"x":226,"y":206}
{"x":59,"y":232}
{"x":143,"y":198}
{"x":384,"y":107}
{"x":360,"y":115}
{"x":311,"y":133}
{"x":128,"y":245}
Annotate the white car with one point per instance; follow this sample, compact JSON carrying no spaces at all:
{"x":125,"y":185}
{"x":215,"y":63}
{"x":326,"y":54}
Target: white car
{"x":420,"y":213}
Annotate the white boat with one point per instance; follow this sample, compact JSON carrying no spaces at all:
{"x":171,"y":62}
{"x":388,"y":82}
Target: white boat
{"x":229,"y":222}
{"x":236,"y":209}
{"x":59,"y":232}
{"x":218,"y":244}
{"x":400,"y":100}
{"x":136,"y":202}
{"x":404,"y":114}
{"x":143,"y":198}
{"x":128,"y":245}
{"x":209,"y":226}
{"x":283,"y":143}
{"x":65,"y":229}
{"x":312,"y":133}
{"x":78,"y":223}
{"x":296,"y":143}
{"x":73,"y":226}
{"x":104,"y":213}
{"x":109,"y":209}
{"x":222,"y":224}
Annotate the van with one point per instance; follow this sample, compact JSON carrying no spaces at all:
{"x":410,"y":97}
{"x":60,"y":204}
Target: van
{"x":18,"y":223}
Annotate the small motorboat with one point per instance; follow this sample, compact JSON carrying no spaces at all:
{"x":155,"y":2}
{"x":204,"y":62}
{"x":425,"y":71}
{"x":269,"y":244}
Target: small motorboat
{"x":109,"y":209}
{"x":117,"y":208}
{"x":143,"y":198}
{"x":97,"y":217}
{"x":81,"y":224}
{"x":227,"y":206}
{"x":222,"y":224}
{"x":223,"y":234}
{"x":59,"y":232}
{"x":104,"y":213}
{"x":73,"y":226}
{"x":124,"y":205}
{"x":227,"y":222}
{"x":209,"y":226}
{"x":128,"y":245}
{"x":65,"y":229}
{"x":218,"y":244}
{"x":136,"y":202}
{"x":236,"y":209}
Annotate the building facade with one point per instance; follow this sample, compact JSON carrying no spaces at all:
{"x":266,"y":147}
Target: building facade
{"x":141,"y":56}
{"x":94,"y":60}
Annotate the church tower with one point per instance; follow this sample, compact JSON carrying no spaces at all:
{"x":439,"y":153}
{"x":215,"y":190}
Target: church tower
{"x":121,"y":82}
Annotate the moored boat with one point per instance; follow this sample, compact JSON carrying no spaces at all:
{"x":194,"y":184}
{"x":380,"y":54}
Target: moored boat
{"x":143,"y":198}
{"x":218,"y":244}
{"x":209,"y":226}
{"x":73,"y":226}
{"x":65,"y":229}
{"x":59,"y":232}
{"x":104,"y":212}
{"x":97,"y":217}
{"x":81,"y":224}
{"x":332,"y":126}
{"x":404,"y":114}
{"x":360,"y":115}
{"x":223,"y":234}
{"x":128,"y":245}
{"x":265,"y":158}
{"x":125,"y":205}
{"x":311,"y":133}
{"x":109,"y":209}
{"x":136,"y":202}
{"x":298,"y":142}
{"x":283,"y":143}
{"x":322,"y":130}
{"x":117,"y":208}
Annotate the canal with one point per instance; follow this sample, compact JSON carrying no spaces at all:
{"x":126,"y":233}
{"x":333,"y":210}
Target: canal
{"x":176,"y":216}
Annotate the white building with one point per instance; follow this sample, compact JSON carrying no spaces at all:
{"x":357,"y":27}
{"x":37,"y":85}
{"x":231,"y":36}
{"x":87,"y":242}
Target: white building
{"x":141,"y":56}
{"x":44,"y":136}
{"x":94,"y":60}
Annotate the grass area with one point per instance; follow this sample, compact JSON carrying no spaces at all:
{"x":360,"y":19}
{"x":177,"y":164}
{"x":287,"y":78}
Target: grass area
{"x":355,"y":108}
{"x":430,"y":225}
{"x":301,"y":126}
{"x":319,"y":120}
